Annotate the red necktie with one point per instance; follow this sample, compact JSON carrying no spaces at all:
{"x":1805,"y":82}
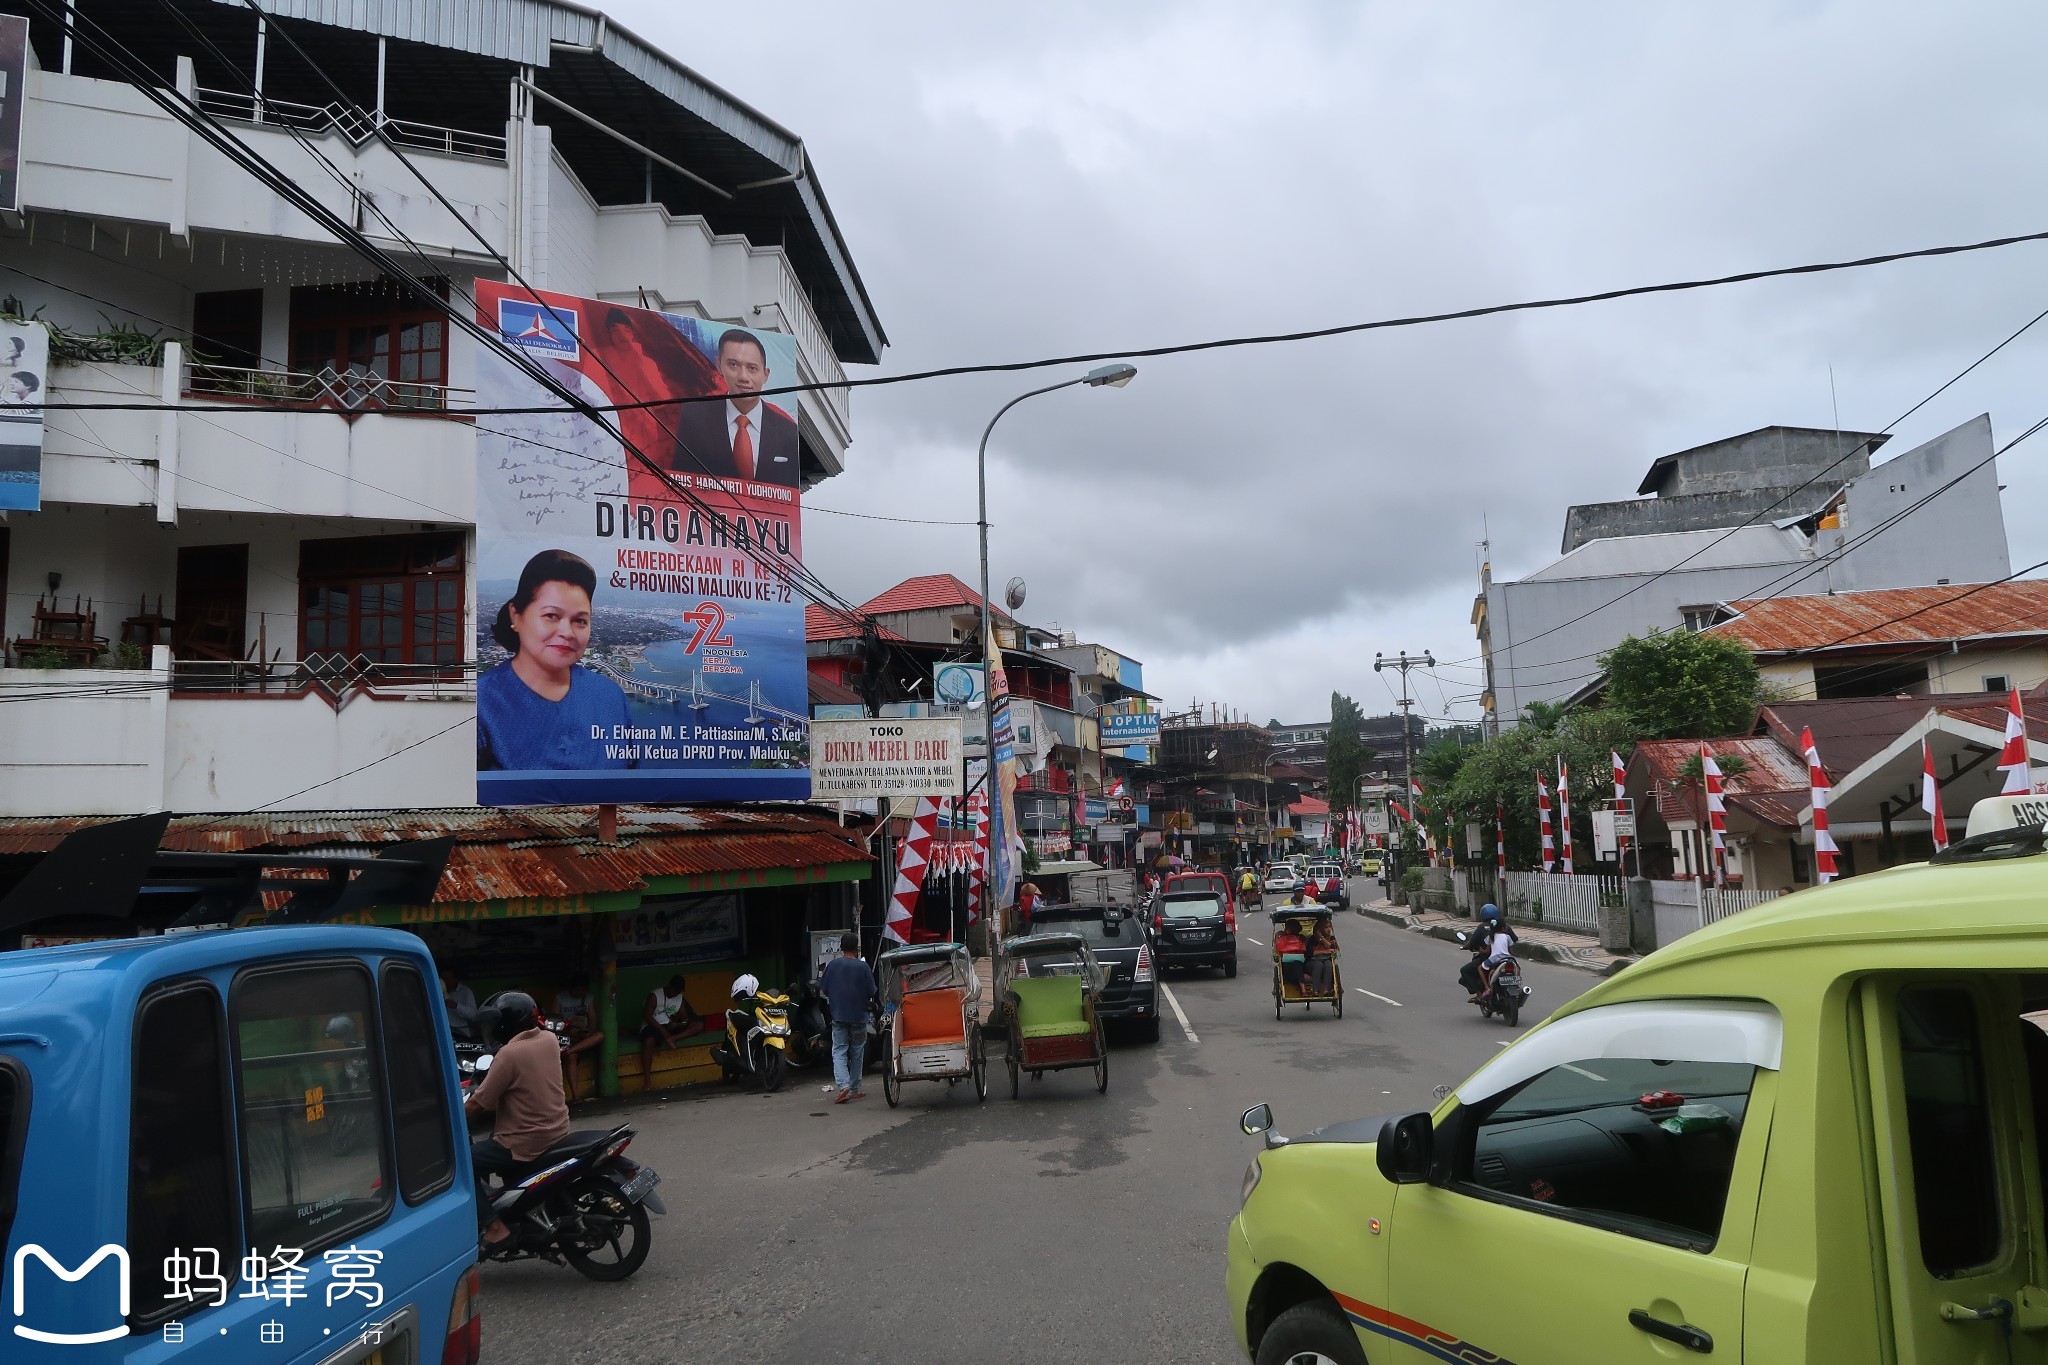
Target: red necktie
{"x":743,"y":447}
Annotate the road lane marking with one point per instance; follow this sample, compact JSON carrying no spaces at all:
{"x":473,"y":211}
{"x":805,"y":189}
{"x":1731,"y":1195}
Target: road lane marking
{"x":1377,"y":996}
{"x":1178,"y":1013}
{"x":1503,"y":1044}
{"x":1581,"y":1071}
{"x":1255,"y":941}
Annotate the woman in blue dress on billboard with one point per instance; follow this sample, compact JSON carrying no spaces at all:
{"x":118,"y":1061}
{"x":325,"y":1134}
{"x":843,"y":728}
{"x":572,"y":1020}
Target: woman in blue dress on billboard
{"x":541,"y":708}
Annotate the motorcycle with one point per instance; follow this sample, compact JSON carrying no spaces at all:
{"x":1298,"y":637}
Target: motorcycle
{"x":582,"y":1201}
{"x":1504,"y":994}
{"x":810,"y":1024}
{"x":757,"y":1037}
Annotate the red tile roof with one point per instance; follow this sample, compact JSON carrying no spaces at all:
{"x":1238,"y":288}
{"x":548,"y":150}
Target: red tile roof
{"x":925,"y":593}
{"x":1893,"y":616}
{"x":1309,"y":805}
{"x":820,"y":624}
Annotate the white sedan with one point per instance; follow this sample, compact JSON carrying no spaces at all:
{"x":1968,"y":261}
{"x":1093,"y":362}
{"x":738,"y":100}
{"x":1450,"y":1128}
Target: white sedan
{"x":1282,"y":878}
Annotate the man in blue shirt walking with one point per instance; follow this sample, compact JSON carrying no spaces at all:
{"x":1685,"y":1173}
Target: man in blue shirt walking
{"x":848,"y":985}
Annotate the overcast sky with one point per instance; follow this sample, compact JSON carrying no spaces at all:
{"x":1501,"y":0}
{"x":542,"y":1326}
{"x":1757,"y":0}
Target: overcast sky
{"x":1254,"y":525}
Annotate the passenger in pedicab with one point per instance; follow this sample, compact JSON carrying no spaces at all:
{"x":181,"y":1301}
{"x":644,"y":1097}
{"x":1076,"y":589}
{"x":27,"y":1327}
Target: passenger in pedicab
{"x":1322,"y":950}
{"x":1293,"y":952}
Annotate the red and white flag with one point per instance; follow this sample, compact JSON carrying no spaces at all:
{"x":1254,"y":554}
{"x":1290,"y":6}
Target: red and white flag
{"x":1620,"y":795}
{"x":1824,"y":849}
{"x":1930,"y":796}
{"x":912,"y":859}
{"x":1564,"y":812}
{"x":1500,"y":838}
{"x":1717,"y":815}
{"x":1543,"y":822}
{"x":2019,"y":775}
{"x":1415,"y":799}
{"x":977,"y":869}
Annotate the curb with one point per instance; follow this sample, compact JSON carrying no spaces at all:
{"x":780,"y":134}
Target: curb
{"x":1533,"y":951}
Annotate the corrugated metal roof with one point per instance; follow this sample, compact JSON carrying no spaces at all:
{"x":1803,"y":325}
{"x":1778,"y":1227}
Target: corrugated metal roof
{"x":1770,"y":766}
{"x":1615,"y":556}
{"x":515,"y":853}
{"x":1851,"y":620}
{"x":820,"y":624}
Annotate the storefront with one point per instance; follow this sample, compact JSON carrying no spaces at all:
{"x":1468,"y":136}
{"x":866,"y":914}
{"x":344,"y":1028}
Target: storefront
{"x":544,"y":899}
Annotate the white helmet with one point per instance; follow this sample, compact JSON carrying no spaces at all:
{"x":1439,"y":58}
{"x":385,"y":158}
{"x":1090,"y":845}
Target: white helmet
{"x":746,"y":984}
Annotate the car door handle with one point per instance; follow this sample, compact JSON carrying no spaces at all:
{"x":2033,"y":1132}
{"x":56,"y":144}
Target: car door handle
{"x":1691,"y":1338}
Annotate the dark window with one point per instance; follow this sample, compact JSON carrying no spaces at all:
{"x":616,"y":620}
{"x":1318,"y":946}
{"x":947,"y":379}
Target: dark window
{"x":1996,"y":682}
{"x":312,"y":1105}
{"x":388,"y":599}
{"x":378,"y":329}
{"x":419,"y":1086}
{"x":227,"y":328}
{"x":1577,"y":1141}
{"x":181,"y":1172}
{"x":13,"y":1135}
{"x":1869,"y":680}
{"x":1948,"y":1124}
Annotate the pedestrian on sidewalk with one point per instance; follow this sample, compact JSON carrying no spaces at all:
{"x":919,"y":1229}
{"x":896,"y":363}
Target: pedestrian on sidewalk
{"x":849,"y":987}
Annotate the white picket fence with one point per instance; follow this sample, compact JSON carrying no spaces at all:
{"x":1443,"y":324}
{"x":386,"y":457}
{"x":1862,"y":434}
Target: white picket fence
{"x":1554,"y":899}
{"x":1681,"y":907}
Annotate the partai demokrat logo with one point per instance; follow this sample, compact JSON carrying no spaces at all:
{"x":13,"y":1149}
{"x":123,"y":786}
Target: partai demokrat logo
{"x":551,"y":329}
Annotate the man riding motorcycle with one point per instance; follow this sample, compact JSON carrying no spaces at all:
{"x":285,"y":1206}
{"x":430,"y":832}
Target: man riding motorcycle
{"x":523,"y":1090}
{"x":1482,"y":944}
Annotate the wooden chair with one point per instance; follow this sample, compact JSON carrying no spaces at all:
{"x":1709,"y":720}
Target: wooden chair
{"x":66,"y":632}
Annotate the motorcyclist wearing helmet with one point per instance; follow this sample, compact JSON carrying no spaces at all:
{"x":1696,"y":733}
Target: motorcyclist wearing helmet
{"x":1484,"y":943}
{"x":523,"y":1090}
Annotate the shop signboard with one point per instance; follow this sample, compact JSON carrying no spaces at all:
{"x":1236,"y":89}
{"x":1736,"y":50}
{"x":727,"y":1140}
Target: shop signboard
{"x":827,"y":710}
{"x":958,"y":684}
{"x":1094,"y":809}
{"x":641,"y":636}
{"x":1052,"y":845}
{"x":1120,"y":729}
{"x":855,"y":759}
{"x":1375,"y":818}
{"x":24,"y":368}
{"x":685,"y":929}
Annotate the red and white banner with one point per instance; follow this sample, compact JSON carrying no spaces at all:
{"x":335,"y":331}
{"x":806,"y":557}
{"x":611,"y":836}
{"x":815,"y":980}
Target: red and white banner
{"x":1564,"y":812}
{"x":977,"y":870}
{"x":913,"y":858}
{"x":1930,"y":797}
{"x":1824,"y":849}
{"x":2012,"y":760}
{"x":1543,"y":822}
{"x":1500,"y":839}
{"x":1620,"y":795}
{"x":1717,"y":815}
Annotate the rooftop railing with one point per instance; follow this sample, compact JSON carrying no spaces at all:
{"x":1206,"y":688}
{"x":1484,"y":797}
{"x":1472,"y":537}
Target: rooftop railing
{"x":355,"y":124}
{"x":348,"y":391}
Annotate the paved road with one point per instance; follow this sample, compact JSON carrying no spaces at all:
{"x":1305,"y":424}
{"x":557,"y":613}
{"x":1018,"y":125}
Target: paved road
{"x":1066,"y":1225}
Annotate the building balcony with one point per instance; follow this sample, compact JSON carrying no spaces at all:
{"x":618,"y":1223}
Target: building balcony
{"x":380,"y":454}
{"x":104,"y":741}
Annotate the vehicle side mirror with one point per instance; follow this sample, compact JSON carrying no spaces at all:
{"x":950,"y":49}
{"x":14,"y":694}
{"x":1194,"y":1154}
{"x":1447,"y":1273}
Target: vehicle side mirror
{"x":1256,"y":1120}
{"x":1404,"y":1149}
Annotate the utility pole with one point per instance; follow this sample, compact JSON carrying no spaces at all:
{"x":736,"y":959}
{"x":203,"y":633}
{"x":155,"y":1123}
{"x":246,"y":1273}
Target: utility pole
{"x":1405,"y":661}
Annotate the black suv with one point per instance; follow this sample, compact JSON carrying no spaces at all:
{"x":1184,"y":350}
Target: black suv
{"x":1194,"y":929}
{"x":1123,"y":945}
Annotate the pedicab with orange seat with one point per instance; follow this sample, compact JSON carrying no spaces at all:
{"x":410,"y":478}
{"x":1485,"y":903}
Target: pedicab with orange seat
{"x":931,"y":1004}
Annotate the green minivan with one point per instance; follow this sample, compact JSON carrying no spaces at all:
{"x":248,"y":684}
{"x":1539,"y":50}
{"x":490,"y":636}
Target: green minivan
{"x":1813,"y":1132}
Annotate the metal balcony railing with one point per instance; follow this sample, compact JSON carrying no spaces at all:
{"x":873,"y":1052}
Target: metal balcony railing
{"x":334,"y":676}
{"x":348,"y":391}
{"x":357,"y":125}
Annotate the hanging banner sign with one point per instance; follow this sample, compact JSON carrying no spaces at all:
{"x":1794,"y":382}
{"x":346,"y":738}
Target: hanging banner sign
{"x":13,"y":101}
{"x":24,"y":369}
{"x":852,"y":759}
{"x":641,"y":638}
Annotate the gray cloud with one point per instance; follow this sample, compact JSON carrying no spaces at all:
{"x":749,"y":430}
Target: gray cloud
{"x":1255,"y":524}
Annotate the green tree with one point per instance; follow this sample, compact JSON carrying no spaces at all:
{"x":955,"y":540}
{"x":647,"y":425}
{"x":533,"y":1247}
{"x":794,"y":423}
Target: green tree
{"x":1683,"y":684}
{"x":1505,"y":769}
{"x":1347,"y":752}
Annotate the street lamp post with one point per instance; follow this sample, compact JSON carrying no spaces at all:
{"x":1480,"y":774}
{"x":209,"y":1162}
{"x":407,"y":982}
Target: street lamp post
{"x":1112,"y":376}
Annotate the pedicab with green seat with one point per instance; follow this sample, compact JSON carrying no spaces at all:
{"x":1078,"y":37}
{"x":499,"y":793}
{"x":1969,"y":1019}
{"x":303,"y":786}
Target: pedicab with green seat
{"x":1049,"y":985}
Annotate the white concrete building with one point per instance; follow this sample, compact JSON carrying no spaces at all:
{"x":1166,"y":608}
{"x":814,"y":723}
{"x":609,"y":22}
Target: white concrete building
{"x":1541,"y":635}
{"x":318,"y":567}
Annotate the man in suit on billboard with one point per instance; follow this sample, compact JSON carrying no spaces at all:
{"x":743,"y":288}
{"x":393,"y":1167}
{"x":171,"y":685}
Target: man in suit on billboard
{"x":743,"y":437}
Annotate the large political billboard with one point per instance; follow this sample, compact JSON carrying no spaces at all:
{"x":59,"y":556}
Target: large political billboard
{"x":640,"y":634}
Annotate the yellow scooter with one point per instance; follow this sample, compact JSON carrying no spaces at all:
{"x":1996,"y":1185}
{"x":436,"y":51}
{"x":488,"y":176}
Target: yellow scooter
{"x":756,"y":1035}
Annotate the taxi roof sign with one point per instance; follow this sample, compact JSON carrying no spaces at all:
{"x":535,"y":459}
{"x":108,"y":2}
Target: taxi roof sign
{"x":2008,"y":812}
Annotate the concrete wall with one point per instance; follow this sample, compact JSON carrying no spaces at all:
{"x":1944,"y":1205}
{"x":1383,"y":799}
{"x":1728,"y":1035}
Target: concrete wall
{"x":1774,"y":456}
{"x":83,"y":741}
{"x":1958,"y":537}
{"x":2024,"y":666}
{"x":1693,"y":512}
{"x":239,"y":753}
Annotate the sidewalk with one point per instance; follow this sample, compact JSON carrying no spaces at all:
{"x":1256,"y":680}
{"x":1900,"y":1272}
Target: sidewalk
{"x":1534,"y":942}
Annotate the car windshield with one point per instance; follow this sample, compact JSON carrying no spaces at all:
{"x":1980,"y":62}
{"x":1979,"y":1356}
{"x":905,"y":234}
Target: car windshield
{"x":1190,"y":907}
{"x":1087,"y":921}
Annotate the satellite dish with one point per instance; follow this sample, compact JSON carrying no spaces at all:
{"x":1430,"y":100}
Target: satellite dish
{"x":1013,"y":593}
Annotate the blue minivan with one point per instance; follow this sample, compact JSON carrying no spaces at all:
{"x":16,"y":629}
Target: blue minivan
{"x":235,"y":1145}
